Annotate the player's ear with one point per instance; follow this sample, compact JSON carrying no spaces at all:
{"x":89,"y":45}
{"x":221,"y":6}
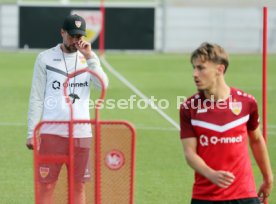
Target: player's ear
{"x":62,"y":32}
{"x":221,"y":69}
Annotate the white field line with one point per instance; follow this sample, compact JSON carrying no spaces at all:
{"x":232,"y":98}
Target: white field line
{"x":269,"y":133}
{"x":138,"y":127}
{"x":163,"y":129}
{"x":14,"y":124}
{"x":271,"y":126}
{"x":154,"y":128}
{"x":142,"y":127}
{"x":139,"y":93}
{"x":143,"y":96}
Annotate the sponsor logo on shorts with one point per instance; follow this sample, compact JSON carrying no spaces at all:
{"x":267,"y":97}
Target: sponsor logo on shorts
{"x":44,"y":172}
{"x":214,"y":140}
{"x":114,"y":159}
{"x":87,"y":173}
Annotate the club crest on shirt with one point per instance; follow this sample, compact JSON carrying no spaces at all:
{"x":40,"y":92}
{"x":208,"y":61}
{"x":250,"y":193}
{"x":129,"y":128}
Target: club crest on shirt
{"x":236,"y":107}
{"x":82,"y":59}
{"x":44,"y":172}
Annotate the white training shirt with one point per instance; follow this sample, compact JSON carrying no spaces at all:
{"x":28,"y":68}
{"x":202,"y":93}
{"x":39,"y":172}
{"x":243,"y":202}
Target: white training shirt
{"x":47,"y":101}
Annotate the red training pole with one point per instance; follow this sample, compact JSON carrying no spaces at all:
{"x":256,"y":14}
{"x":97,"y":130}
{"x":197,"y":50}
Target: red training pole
{"x":71,"y":174}
{"x":71,"y":171}
{"x":102,"y":33}
{"x":265,"y":76}
{"x":97,"y":128}
{"x":264,"y":72}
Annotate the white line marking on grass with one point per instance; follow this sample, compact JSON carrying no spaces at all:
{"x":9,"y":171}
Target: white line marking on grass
{"x":270,"y":133}
{"x":139,"y":93}
{"x":271,"y":126}
{"x":164,"y":129}
{"x":139,"y":127}
{"x":154,"y":128}
{"x":12,"y":124}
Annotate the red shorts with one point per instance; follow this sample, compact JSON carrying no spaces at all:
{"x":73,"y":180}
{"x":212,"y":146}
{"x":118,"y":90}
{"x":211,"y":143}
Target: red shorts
{"x":57,"y":145}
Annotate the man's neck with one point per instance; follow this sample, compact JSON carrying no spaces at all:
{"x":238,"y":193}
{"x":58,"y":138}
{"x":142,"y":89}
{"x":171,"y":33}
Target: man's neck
{"x":221,"y":92}
{"x":64,"y":49}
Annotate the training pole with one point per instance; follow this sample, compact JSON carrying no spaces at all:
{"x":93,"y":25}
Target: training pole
{"x":265,"y":72}
{"x":265,"y":75}
{"x":102,"y":33}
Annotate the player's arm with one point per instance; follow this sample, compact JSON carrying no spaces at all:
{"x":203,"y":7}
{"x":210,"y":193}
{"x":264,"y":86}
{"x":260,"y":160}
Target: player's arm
{"x":189,"y":141}
{"x":93,"y":62}
{"x":222,"y":179}
{"x":36,"y":99}
{"x":260,"y":154}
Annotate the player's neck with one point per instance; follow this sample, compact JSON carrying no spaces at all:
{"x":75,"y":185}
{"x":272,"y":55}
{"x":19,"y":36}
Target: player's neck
{"x":65,"y":50}
{"x":219,"y":92}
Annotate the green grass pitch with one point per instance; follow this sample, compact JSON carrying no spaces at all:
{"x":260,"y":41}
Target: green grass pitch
{"x":162,"y":176}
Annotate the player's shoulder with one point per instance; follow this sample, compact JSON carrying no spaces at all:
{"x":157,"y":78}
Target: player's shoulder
{"x":94,"y":54}
{"x":95,"y":57}
{"x":194,"y":99}
{"x":49,"y":53}
{"x":242,"y":95}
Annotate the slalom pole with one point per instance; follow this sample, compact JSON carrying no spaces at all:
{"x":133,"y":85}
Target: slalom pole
{"x":71,"y":160}
{"x":97,"y":124}
{"x":102,"y":33}
{"x":264,"y":72}
{"x":264,"y":64}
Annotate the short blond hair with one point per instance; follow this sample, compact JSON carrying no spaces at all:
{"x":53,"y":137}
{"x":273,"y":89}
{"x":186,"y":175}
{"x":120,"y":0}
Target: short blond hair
{"x":211,"y":52}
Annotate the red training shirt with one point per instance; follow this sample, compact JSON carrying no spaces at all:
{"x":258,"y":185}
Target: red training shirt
{"x":221,"y":132}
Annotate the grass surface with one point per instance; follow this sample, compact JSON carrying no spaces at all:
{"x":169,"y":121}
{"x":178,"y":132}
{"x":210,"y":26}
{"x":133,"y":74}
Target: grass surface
{"x":162,"y":176}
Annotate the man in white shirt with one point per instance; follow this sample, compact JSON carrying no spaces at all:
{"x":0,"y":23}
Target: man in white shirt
{"x":47,"y":102}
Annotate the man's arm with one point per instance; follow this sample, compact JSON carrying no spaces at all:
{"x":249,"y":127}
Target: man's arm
{"x":93,"y":63}
{"x":260,"y":154}
{"x":36,"y":99}
{"x":222,"y":179}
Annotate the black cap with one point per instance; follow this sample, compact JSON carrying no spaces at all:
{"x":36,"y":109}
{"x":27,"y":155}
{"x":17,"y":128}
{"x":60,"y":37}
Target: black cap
{"x":74,"y":25}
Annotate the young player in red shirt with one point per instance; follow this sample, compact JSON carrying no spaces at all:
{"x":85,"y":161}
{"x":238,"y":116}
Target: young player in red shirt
{"x":216,"y":125}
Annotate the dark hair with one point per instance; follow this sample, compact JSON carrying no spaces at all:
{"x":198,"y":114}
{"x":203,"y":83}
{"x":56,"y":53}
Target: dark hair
{"x":211,"y":52}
